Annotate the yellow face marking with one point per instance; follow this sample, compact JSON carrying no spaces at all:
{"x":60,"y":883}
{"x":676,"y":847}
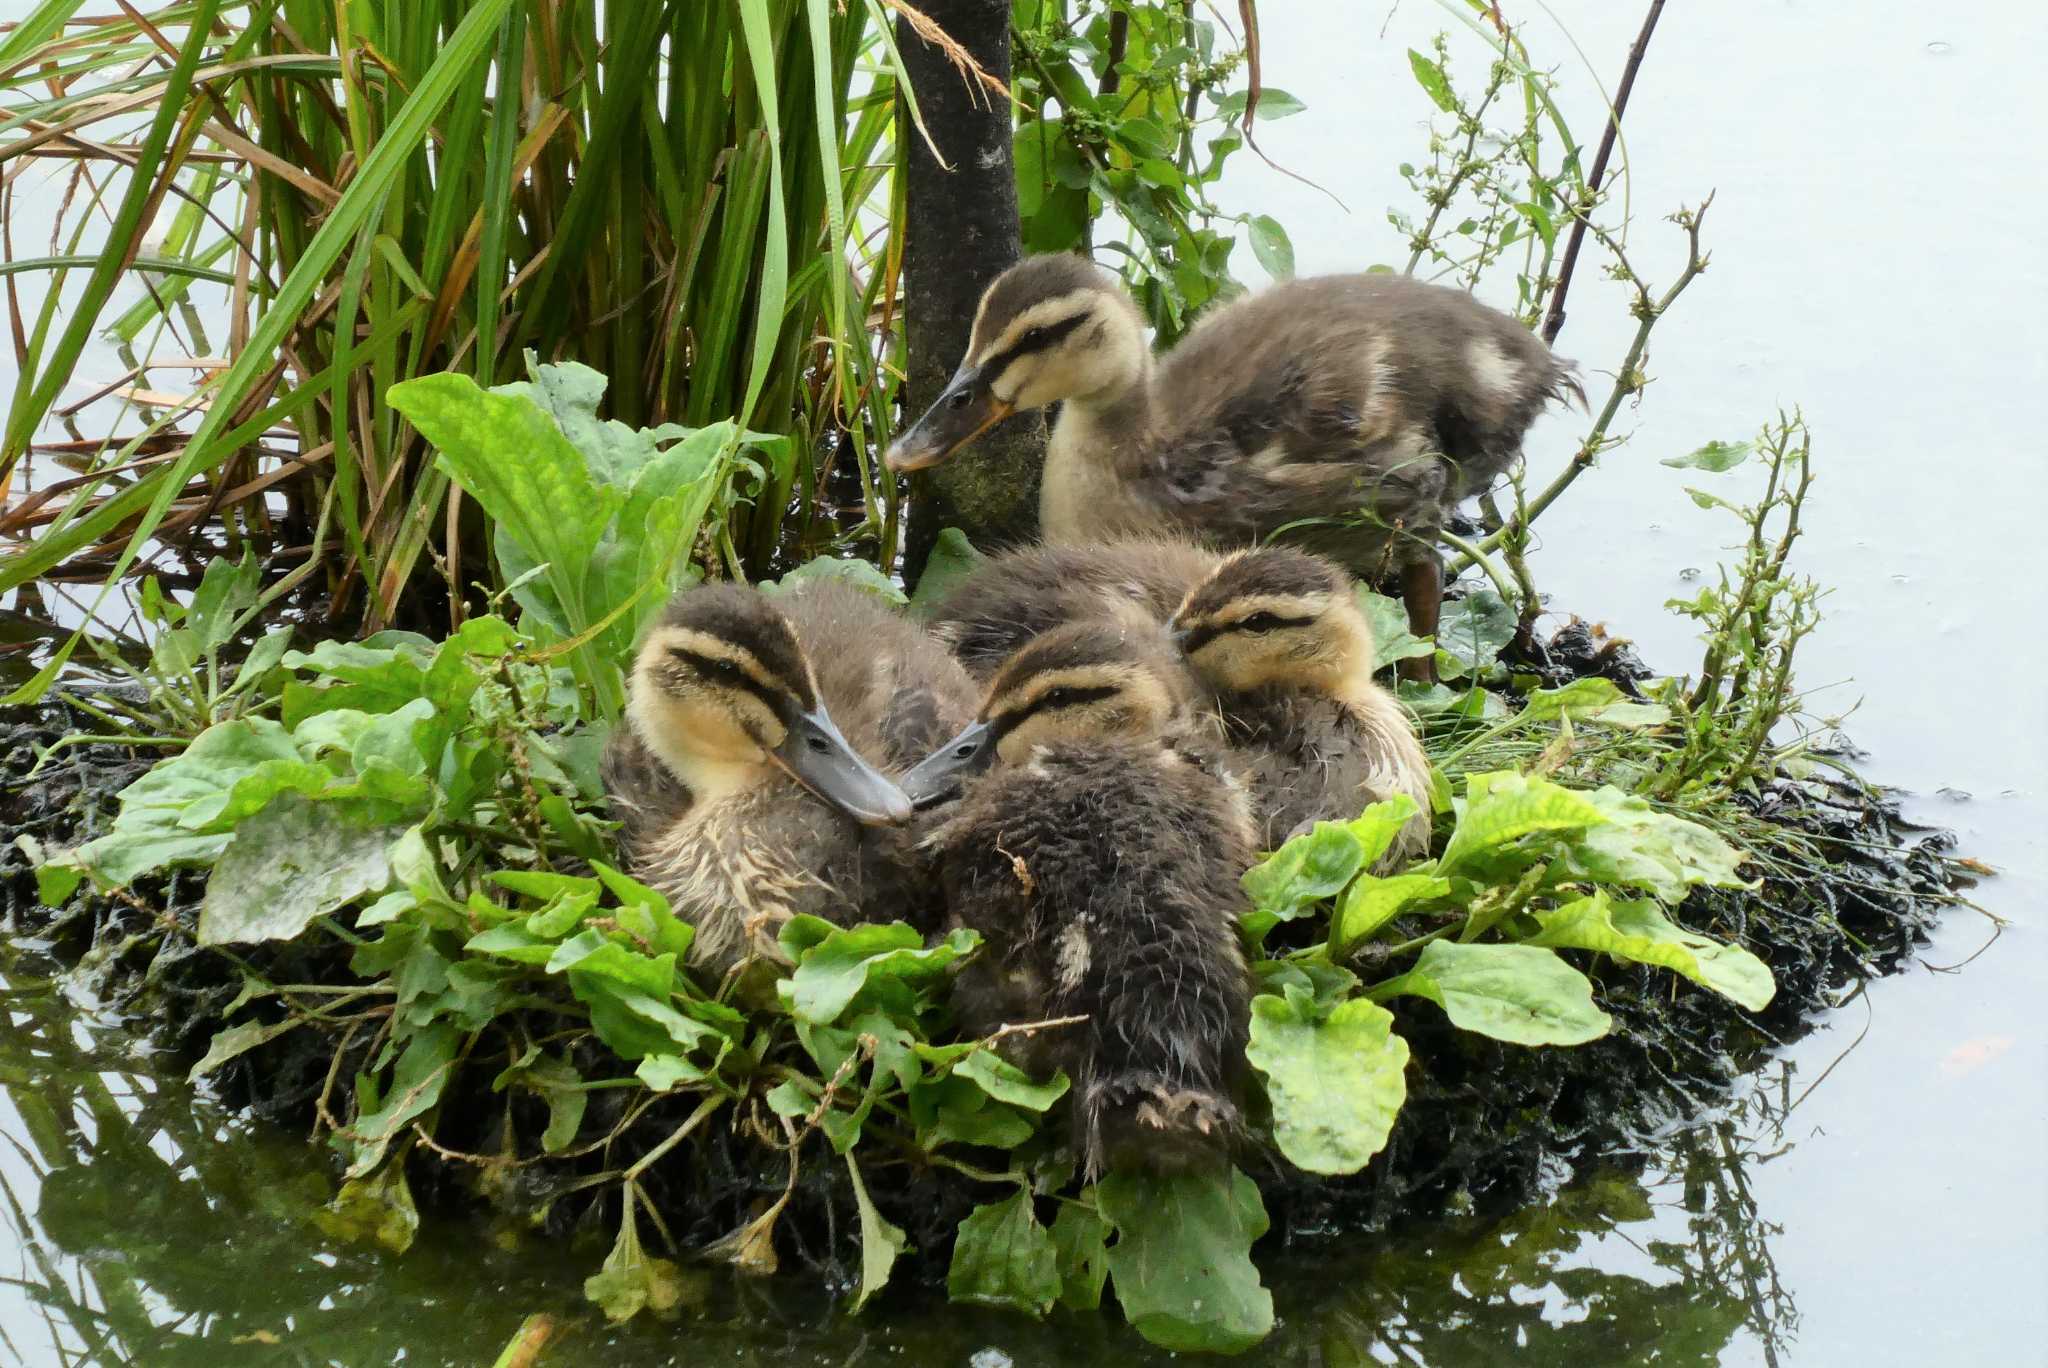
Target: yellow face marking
{"x":717,"y":648}
{"x":1043,"y":314}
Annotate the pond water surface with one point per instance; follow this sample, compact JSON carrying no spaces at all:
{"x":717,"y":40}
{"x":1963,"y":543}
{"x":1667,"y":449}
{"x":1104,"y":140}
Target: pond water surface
{"x":1876,"y":260}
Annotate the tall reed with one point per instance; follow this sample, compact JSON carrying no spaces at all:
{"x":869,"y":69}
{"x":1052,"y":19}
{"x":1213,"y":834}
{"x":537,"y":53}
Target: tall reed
{"x":689,"y":195}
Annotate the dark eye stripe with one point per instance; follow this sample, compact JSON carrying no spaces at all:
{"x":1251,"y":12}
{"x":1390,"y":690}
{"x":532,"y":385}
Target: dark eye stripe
{"x":1049,"y":333}
{"x":1203,"y":635}
{"x":725,"y":672}
{"x":1072,"y":697}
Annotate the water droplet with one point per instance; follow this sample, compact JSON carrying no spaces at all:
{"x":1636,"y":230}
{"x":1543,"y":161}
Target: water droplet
{"x":989,"y":1358}
{"x":1689,"y":574}
{"x":1938,"y":48}
{"x":1901,"y":578}
{"x":1954,"y":795}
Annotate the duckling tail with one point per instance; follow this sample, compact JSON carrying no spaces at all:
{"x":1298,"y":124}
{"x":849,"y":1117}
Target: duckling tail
{"x":1146,"y":1122}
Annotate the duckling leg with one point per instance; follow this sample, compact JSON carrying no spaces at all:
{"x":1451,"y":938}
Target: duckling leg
{"x":1422,"y":591}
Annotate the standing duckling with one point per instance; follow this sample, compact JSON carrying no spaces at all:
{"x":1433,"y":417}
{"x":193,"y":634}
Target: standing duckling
{"x":1352,"y":411}
{"x":1277,"y":635}
{"x":1099,"y":858}
{"x":738,"y":770}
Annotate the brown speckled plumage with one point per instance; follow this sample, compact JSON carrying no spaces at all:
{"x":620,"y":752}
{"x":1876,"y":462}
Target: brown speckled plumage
{"x":739,"y":867}
{"x":1307,"y":752}
{"x":1103,"y":876}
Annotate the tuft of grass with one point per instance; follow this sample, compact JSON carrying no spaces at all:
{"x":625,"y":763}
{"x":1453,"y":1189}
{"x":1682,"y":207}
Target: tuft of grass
{"x":689,"y":195}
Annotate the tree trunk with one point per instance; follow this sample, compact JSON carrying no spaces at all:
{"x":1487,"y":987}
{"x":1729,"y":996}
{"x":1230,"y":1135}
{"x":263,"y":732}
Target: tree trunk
{"x":960,"y":233}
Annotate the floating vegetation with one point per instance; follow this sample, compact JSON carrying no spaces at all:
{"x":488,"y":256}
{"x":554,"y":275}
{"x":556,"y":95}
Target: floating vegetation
{"x":411,"y":934}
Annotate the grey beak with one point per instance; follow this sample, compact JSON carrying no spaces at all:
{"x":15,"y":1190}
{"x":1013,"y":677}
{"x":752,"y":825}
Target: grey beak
{"x":821,"y":759}
{"x":939,"y":775}
{"x":964,"y":410}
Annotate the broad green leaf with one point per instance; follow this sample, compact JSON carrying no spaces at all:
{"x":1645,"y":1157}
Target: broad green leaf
{"x":1431,"y":78}
{"x":151,"y":831}
{"x":288,"y":864}
{"x":1376,"y":828}
{"x":1638,"y":930}
{"x":831,"y":973}
{"x":1182,"y":1263}
{"x":1472,"y":631}
{"x":1313,"y":866}
{"x":1003,"y":1257}
{"x":1080,"y":1237}
{"x":1714,"y":457}
{"x":558,"y":1083}
{"x":1594,"y":700}
{"x":236,"y":1041}
{"x":1336,"y":1084}
{"x":1271,"y":246}
{"x":632,"y":1280}
{"x":1273,"y":104}
{"x":858,"y":573}
{"x":952,"y":559}
{"x":1373,"y":901}
{"x":1005,"y":1082}
{"x":1505,"y":806}
{"x":1522,"y":994}
{"x":1644,"y":847}
{"x":374,"y":1207}
{"x":1575,"y":700}
{"x":662,"y":1072}
{"x":1391,"y":639}
{"x":880,"y":1241}
{"x":415,"y":1088}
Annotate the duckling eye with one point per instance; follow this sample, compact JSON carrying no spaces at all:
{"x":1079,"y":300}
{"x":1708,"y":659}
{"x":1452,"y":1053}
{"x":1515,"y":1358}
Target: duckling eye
{"x":1062,"y":697}
{"x":1261,"y":622}
{"x":1033,"y":337}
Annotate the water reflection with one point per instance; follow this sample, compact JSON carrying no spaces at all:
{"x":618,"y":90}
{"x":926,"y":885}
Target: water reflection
{"x":1665,"y":1264}
{"x":154,"y":1230}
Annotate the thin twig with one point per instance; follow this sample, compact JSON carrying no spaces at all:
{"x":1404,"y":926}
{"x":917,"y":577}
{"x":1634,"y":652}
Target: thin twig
{"x":1553,"y":322}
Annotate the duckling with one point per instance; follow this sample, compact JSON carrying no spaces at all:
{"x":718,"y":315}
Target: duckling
{"x":740,"y":796}
{"x":1349,"y":413}
{"x":1277,"y":635}
{"x":1281,"y":653}
{"x":1099,"y":856}
{"x":1020,"y":594}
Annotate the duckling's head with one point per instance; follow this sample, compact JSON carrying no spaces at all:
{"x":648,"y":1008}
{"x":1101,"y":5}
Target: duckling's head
{"x":1275,"y":616}
{"x":722,"y":692}
{"x":1087,"y":681}
{"x":1050,"y":328}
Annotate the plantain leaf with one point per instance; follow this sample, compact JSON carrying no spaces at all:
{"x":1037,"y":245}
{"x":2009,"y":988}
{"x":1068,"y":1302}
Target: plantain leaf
{"x":1503,"y":807}
{"x":1522,"y":994}
{"x":880,"y":1242}
{"x":1182,"y":1262}
{"x":1638,"y":930}
{"x":1336,"y":1084}
{"x":1003,"y":1257}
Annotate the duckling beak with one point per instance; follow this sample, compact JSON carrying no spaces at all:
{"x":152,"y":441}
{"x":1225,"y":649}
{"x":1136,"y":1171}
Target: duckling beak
{"x":819,"y":758}
{"x":965,"y":409}
{"x":939,"y":775}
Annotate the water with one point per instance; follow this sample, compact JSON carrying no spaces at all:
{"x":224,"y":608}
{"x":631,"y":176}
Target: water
{"x":1875,"y":261}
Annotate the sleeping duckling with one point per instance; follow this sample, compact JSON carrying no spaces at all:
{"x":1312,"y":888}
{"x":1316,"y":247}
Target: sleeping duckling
{"x":1277,"y":635}
{"x":1020,"y":594}
{"x":1351,"y":411}
{"x":741,"y":797}
{"x":1274,"y":637}
{"x":1099,"y":858}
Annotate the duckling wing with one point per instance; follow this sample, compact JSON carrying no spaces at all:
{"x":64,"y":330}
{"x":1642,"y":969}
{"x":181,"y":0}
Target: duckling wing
{"x":1372,"y":397}
{"x":645,"y":795}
